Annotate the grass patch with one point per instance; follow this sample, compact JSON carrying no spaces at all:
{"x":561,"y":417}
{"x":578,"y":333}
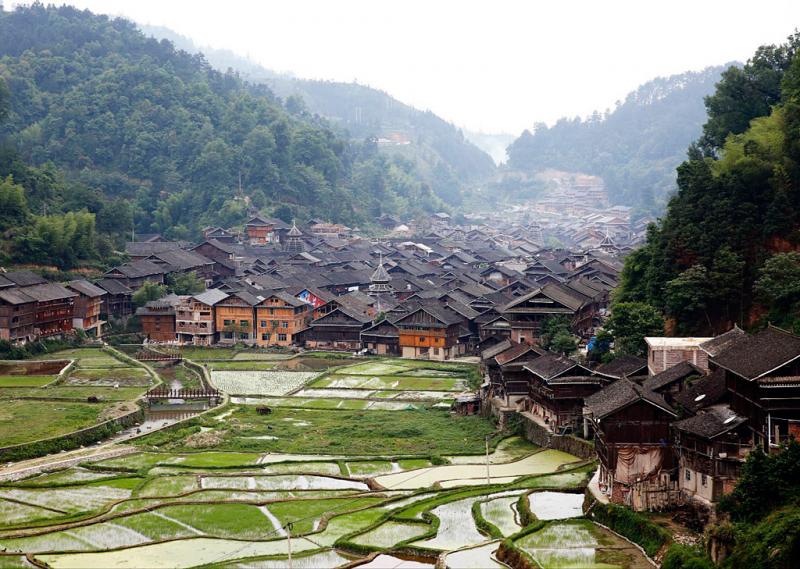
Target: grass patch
{"x":356,"y":433}
{"x":203,"y":354}
{"x":25,"y":380}
{"x":24,"y":421}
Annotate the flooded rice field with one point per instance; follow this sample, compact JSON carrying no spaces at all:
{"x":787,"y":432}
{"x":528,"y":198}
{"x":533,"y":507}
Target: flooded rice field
{"x":238,"y":505}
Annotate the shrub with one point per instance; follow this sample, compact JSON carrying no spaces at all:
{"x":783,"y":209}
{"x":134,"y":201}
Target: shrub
{"x":633,"y":526}
{"x":685,"y":557}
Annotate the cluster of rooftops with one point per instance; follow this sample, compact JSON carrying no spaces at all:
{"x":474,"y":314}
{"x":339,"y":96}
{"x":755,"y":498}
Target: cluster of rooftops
{"x":691,"y":411}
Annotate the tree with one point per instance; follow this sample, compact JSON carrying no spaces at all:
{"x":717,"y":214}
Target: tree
{"x":630,"y":322}
{"x":147,"y":292}
{"x":5,"y":100}
{"x":564,"y":343}
{"x":185,"y":283}
{"x":778,"y":285}
{"x":13,"y":205}
{"x":688,"y":295}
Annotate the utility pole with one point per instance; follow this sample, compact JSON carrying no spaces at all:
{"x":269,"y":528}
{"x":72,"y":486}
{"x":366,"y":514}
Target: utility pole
{"x":488,"y":477}
{"x":289,"y":541}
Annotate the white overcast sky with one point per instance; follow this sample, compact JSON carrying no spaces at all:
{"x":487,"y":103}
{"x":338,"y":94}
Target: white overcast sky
{"x":494,"y":66}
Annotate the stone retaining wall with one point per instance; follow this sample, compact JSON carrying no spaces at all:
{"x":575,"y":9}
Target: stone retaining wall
{"x":70,"y":441}
{"x":541,"y":436}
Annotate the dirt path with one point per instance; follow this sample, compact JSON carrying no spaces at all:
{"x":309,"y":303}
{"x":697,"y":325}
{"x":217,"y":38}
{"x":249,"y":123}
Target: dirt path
{"x":33,"y":466}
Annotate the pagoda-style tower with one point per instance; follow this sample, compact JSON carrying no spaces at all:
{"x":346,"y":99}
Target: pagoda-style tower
{"x":380,"y":281}
{"x":380,"y":284}
{"x":294,"y":240}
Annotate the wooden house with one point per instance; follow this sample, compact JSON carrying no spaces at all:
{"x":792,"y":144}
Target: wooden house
{"x":260,"y":231}
{"x":194,"y":318}
{"x":339,"y":329}
{"x":117,"y":302}
{"x":382,"y":338}
{"x":136,"y":273}
{"x":55,"y":306}
{"x":762,"y":377}
{"x":510,"y":367}
{"x":528,"y":313}
{"x":279,"y":316}
{"x":17,"y":315}
{"x":712,"y":447}
{"x":556,"y":387}
{"x":234,"y":318}
{"x":88,"y":303}
{"x":432,"y":331}
{"x":157,"y":319}
{"x":632,"y":439}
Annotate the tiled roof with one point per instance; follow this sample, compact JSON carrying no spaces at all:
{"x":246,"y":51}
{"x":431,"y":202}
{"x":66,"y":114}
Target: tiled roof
{"x":760,"y":353}
{"x":620,"y":394}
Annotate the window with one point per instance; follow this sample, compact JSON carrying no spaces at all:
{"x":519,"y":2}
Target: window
{"x":703,"y":479}
{"x":263,"y":323}
{"x":244,"y":336}
{"x":226,"y":322}
{"x":227,"y":335}
{"x":284,"y":324}
{"x":435,"y":351}
{"x":265,"y":337}
{"x":281,"y":337}
{"x":422,"y":338}
{"x":688,"y":474}
{"x":244,"y":323}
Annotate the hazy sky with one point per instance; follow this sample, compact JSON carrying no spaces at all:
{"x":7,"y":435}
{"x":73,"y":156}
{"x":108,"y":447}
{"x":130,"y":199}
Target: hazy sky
{"x":495,"y":66}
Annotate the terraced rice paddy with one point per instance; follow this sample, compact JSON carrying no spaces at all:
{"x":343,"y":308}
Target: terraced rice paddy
{"x":36,"y":389}
{"x":352,"y":475}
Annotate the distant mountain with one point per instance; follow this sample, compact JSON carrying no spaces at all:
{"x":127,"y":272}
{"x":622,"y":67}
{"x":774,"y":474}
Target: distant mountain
{"x":448,"y":161}
{"x":635,"y":147}
{"x":100,"y":117}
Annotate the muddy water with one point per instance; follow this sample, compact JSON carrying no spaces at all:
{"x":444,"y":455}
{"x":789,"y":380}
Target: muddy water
{"x":155,"y":419}
{"x":480,"y":557}
{"x":310,"y":364}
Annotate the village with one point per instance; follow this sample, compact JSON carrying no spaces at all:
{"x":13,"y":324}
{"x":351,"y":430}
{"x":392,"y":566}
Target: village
{"x":669,"y":430}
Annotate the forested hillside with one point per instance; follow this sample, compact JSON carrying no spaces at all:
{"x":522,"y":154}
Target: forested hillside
{"x":102,"y":119}
{"x":727,"y":249}
{"x":443,"y":156}
{"x":635,"y":147}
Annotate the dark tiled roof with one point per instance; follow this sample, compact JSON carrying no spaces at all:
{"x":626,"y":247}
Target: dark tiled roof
{"x":620,"y":394}
{"x":15,"y":296}
{"x":211,"y":296}
{"x":551,"y":365}
{"x":715,"y":346}
{"x":711,"y":422}
{"x":760,"y":354}
{"x":147,"y":248}
{"x":86,"y":288}
{"x":24,"y":278}
{"x":670,"y":375}
{"x":523,"y":351}
{"x":113,"y":286}
{"x":136,"y":269}
{"x":48,"y":292}
{"x":622,"y":366}
{"x":705,"y":391}
{"x":497,"y":349}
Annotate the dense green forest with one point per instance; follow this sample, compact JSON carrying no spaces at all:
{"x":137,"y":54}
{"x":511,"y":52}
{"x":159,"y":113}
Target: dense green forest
{"x":726,"y":250}
{"x":635,"y":147}
{"x":448,"y":162}
{"x":104,"y":120}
